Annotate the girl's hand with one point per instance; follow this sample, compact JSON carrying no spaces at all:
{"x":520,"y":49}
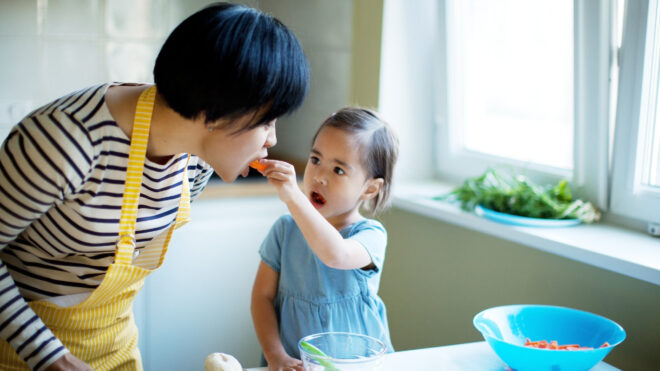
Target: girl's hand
{"x":282,"y":175}
{"x":285,"y":363}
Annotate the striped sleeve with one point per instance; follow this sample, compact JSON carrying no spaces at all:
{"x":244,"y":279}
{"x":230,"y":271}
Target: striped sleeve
{"x":203,"y":174}
{"x":45,"y":158}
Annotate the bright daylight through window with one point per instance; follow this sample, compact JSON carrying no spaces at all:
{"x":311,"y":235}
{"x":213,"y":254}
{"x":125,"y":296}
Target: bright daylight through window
{"x":513,"y":62}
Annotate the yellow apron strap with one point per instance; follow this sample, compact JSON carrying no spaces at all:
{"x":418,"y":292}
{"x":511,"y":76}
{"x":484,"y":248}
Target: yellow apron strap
{"x":183,"y":214}
{"x":138,"y":150}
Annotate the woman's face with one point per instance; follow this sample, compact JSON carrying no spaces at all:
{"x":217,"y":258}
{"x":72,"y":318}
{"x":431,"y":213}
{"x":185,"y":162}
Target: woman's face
{"x":230,"y":152}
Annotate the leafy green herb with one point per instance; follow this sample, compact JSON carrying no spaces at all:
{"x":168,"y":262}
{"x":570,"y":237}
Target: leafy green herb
{"x":318,"y":355}
{"x":519,"y":196}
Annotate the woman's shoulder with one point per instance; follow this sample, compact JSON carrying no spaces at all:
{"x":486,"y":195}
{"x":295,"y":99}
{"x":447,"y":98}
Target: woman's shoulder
{"x":81,"y":104}
{"x":77,"y":115}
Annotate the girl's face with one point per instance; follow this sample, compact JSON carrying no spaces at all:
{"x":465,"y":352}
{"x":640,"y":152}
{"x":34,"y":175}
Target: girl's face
{"x":230,"y":153}
{"x":335,"y":181}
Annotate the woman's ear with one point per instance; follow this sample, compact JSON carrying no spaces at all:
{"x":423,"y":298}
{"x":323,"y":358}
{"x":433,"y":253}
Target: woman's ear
{"x":372,"y":187}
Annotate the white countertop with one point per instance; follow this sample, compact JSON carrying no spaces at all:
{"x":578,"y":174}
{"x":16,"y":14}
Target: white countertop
{"x":476,"y":356}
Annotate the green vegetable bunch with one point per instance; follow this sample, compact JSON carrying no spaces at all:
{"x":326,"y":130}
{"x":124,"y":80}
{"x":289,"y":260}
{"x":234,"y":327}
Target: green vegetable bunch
{"x":519,"y":196}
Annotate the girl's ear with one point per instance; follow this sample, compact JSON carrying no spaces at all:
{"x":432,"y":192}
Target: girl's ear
{"x":373,"y":186}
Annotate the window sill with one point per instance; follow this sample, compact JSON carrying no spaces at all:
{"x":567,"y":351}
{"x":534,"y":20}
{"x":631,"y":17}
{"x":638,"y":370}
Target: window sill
{"x":625,"y":251}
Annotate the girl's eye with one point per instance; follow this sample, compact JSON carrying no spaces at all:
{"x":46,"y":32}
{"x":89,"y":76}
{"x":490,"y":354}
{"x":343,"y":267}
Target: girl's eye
{"x":339,"y":171}
{"x":314,"y":160}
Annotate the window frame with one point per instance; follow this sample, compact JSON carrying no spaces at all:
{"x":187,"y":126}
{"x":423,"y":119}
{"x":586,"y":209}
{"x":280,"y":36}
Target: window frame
{"x":629,"y":197}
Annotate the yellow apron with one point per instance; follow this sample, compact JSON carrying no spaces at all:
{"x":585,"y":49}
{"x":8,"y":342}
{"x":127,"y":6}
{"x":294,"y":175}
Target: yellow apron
{"x":101,"y":330}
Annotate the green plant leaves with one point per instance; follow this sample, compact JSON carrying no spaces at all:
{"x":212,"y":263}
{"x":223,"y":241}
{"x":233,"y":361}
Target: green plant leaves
{"x":517,"y":195}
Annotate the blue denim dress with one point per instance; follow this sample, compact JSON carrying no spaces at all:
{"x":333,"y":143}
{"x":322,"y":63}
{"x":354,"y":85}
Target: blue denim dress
{"x":313,"y":297}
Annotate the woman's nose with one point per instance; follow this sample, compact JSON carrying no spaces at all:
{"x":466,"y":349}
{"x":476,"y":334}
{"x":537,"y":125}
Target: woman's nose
{"x":271,"y":139}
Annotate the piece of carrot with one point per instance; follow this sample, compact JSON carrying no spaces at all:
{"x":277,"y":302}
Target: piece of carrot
{"x":567,"y":346}
{"x":258,"y":166}
{"x":553,"y":345}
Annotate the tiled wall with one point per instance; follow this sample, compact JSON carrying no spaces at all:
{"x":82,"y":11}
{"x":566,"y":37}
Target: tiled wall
{"x":325,"y":30}
{"x":49,"y":48}
{"x":52,"y":47}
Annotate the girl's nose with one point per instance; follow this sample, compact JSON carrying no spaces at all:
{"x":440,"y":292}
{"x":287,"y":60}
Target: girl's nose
{"x":320,"y":179}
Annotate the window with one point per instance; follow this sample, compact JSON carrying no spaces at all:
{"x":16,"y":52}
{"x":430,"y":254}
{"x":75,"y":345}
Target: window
{"x":636,"y":160}
{"x":527,"y":87}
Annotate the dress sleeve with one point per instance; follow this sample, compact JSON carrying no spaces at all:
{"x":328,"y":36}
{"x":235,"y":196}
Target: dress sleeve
{"x":373,"y":237}
{"x":271,"y":250}
{"x":42,"y":161}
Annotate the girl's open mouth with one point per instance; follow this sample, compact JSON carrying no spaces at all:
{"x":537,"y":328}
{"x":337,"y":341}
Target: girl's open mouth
{"x":317,"y":199}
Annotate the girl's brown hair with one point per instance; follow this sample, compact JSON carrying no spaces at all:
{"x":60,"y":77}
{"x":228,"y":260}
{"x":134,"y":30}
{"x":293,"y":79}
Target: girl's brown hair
{"x":379,"y":147}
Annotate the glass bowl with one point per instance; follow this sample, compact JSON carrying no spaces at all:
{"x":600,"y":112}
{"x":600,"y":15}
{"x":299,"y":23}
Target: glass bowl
{"x":341,"y":351}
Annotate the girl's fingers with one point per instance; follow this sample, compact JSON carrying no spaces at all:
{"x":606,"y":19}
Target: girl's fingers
{"x":279,"y":176}
{"x":276,"y":165}
{"x":286,"y":171}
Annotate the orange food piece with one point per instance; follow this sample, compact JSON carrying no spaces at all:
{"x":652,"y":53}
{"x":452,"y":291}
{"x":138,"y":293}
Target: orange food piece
{"x":258,"y":166}
{"x":544,"y":344}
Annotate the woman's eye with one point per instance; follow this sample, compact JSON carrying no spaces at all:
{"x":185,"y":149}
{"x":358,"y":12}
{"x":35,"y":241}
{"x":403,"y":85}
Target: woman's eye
{"x":339,"y":171}
{"x":314,"y":160}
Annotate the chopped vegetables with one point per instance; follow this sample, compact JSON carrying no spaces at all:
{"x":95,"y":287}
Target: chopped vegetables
{"x":519,"y":196}
{"x":258,"y":166}
{"x":552,"y":345}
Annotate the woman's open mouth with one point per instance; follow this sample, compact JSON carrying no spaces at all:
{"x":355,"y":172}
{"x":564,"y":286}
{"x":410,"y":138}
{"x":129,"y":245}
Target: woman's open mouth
{"x":317,"y":200}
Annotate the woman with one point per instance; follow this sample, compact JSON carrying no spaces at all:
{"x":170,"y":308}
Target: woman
{"x":94,"y":183}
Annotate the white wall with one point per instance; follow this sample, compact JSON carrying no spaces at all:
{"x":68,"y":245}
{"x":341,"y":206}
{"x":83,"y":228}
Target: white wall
{"x":406,"y":87}
{"x":198,"y":302}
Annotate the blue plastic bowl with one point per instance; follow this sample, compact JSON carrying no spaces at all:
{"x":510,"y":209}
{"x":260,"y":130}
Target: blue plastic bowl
{"x":506,"y":329}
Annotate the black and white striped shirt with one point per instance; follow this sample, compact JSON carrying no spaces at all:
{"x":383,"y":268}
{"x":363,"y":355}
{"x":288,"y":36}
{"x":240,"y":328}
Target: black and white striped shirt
{"x":62,"y":171}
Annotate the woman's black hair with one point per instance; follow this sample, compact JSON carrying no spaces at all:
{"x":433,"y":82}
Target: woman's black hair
{"x":228,"y":60}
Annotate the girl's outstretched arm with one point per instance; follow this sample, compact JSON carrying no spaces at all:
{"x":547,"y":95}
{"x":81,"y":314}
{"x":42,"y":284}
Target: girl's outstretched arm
{"x":265,"y":320}
{"x":324,"y":239}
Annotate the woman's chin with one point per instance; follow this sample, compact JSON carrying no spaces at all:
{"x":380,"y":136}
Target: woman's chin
{"x":227,"y":178}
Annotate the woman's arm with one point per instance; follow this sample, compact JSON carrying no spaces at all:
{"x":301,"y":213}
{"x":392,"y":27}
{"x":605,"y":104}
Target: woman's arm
{"x":265,"y":319}
{"x":324,"y":239}
{"x":34,"y":174}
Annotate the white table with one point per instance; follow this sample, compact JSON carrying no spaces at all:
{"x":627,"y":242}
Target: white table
{"x":476,"y":356}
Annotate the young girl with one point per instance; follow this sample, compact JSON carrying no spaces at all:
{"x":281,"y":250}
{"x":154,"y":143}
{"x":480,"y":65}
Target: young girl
{"x":321,"y":265}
